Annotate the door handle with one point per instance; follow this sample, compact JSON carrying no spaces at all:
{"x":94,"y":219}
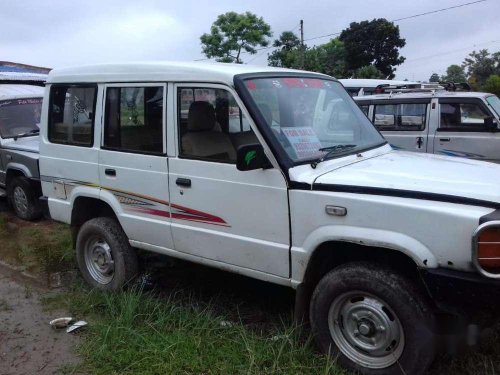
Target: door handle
{"x":110,"y":172}
{"x":444,"y":139}
{"x":186,"y":182}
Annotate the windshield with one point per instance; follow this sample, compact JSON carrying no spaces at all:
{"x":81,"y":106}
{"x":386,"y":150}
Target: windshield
{"x":310,"y":117}
{"x":19,"y":116}
{"x":494,"y":102}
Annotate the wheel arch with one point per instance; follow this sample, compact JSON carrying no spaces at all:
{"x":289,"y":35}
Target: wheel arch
{"x":85,"y":208}
{"x":333,"y":253}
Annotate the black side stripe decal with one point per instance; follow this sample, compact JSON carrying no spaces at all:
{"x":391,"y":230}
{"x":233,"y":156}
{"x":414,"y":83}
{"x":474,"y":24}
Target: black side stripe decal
{"x":405,"y":194}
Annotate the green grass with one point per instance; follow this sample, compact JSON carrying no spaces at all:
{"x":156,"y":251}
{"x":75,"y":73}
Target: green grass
{"x":137,"y":333}
{"x":41,"y":247}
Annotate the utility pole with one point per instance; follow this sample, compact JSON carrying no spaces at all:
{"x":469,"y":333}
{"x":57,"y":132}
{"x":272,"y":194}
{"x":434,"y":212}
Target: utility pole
{"x":302,"y":44}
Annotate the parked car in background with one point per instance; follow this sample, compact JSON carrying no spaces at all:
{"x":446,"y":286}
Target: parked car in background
{"x":360,"y":87}
{"x":464,"y":124}
{"x":274,"y":174}
{"x":20,"y":110}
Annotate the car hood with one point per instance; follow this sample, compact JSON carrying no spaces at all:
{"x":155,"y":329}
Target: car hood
{"x":411,"y":174}
{"x":28,"y":144}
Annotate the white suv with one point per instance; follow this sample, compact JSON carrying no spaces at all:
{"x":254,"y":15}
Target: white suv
{"x":278,"y":175}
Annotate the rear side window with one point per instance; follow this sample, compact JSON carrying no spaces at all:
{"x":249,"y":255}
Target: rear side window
{"x":400,"y":117}
{"x":364,"y":108}
{"x":134,"y":119}
{"x":462,"y":117}
{"x":71,"y":115}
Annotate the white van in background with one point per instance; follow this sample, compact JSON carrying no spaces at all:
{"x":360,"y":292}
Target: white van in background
{"x":464,"y":124}
{"x":360,"y":87}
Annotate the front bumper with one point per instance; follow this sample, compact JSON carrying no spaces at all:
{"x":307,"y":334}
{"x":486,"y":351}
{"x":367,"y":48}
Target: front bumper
{"x":462,"y":292}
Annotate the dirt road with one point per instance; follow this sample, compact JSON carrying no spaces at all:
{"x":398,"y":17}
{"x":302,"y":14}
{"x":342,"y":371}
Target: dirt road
{"x":27,"y":344}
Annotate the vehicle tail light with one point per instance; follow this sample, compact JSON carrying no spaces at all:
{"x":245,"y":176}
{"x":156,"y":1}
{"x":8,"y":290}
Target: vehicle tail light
{"x":487,"y":250}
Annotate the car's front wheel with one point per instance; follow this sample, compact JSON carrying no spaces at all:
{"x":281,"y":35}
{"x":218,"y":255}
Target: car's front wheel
{"x":104,"y":255}
{"x":373,"y":320}
{"x":23,"y":198}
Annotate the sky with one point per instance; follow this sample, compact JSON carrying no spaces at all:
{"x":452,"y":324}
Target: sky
{"x":59,"y":33}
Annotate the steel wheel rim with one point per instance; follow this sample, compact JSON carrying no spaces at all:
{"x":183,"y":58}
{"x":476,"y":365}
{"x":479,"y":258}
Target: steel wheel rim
{"x":366,"y":330}
{"x":20,"y":200}
{"x":99,"y":260}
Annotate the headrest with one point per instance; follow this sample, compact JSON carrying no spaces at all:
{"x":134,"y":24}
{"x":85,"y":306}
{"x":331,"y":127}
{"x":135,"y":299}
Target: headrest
{"x":201,"y":116}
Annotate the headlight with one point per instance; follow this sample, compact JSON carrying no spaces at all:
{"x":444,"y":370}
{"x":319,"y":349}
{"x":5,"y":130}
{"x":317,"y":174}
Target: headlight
{"x":486,"y":249}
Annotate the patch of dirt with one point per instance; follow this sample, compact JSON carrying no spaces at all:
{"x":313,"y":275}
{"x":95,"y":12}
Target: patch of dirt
{"x":28,"y":345}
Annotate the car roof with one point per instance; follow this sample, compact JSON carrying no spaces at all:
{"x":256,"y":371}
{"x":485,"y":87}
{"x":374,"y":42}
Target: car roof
{"x":160,"y":71}
{"x":14,"y":91}
{"x":424,"y":94}
{"x":372,"y":83}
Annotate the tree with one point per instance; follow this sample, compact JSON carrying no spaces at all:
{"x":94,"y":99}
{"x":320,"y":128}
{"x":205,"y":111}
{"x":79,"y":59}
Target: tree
{"x":492,"y":84}
{"x":328,"y":58}
{"x":376,"y":43}
{"x":434,"y":78}
{"x":368,"y":72}
{"x":233,"y":33}
{"x":481,"y":65}
{"x":454,"y":73}
{"x":288,"y":53}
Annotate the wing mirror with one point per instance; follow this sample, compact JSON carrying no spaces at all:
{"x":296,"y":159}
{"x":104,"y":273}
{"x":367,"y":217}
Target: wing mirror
{"x":250,"y":157}
{"x":491,"y":124}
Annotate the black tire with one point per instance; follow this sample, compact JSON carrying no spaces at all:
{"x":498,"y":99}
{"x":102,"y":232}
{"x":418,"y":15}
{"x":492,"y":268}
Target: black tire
{"x":401,"y":301}
{"x":23,"y":197}
{"x":92,"y":235}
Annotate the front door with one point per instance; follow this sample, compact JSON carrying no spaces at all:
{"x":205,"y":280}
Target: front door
{"x":220,"y":213}
{"x":403,"y":124}
{"x":132,"y":161}
{"x":462,"y":131}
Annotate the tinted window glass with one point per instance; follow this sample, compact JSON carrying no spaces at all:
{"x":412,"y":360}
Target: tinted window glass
{"x":71,"y":115}
{"x":401,"y":117}
{"x":462,"y":116}
{"x":211,"y":124}
{"x":364,"y":108}
{"x":19,"y":116}
{"x":134,"y":119}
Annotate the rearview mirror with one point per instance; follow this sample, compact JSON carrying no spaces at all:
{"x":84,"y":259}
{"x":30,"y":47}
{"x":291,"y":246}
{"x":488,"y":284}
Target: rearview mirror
{"x":250,"y":157}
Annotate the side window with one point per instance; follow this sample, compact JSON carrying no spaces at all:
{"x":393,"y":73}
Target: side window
{"x":133,"y":119}
{"x":71,"y":115}
{"x":211,"y":125}
{"x":364,"y":108}
{"x":462,"y":117}
{"x":401,"y":117}
{"x":385,"y":116}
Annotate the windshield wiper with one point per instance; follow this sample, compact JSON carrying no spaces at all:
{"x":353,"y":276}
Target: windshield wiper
{"x":331,"y":151}
{"x":26,"y":134}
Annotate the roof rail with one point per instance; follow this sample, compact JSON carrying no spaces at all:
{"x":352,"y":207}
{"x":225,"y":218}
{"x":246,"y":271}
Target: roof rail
{"x":456,"y":86}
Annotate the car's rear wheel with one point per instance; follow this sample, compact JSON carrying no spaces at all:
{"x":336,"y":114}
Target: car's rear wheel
{"x":373,"y":320}
{"x":105,"y":257}
{"x":23,"y":199}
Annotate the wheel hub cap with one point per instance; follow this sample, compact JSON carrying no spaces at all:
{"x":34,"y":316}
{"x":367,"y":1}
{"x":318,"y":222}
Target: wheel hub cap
{"x":366,"y":330}
{"x":20,"y":200}
{"x":99,"y":260}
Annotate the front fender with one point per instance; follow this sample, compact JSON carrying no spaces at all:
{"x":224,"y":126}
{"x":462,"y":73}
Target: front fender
{"x":409,"y":246}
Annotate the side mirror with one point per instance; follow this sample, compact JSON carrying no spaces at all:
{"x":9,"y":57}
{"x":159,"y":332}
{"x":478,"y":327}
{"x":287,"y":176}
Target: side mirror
{"x":250,"y":157}
{"x":491,"y":124}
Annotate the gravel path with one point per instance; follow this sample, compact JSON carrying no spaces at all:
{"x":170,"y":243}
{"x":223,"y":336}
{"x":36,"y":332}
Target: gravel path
{"x":27,"y":343}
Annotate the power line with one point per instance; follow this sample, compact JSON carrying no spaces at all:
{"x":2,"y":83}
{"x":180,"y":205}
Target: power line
{"x":408,"y":17}
{"x":451,"y":51}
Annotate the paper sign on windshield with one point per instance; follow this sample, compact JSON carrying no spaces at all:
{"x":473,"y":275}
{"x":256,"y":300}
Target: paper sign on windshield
{"x":304,"y":141}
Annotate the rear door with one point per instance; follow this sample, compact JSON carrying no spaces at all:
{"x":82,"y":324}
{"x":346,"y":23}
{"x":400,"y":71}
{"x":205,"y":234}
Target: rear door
{"x":403,"y":123}
{"x":133,"y":167}
{"x":462,"y":131}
